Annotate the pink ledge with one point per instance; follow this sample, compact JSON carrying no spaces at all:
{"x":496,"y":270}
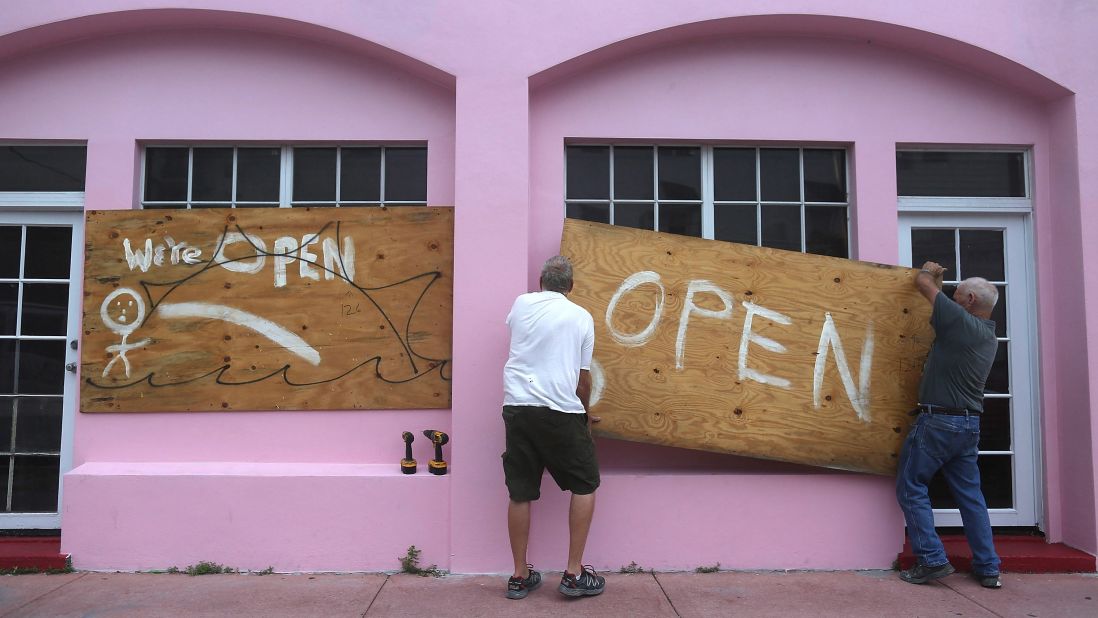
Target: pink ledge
{"x":293,"y":517}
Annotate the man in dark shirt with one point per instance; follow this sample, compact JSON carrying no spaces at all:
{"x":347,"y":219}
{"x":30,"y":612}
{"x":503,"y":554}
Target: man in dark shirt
{"x":946,"y":434}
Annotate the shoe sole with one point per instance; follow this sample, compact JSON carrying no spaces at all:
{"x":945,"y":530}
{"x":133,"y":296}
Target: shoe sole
{"x":521,"y":594}
{"x":931,"y":577}
{"x":577,"y":592}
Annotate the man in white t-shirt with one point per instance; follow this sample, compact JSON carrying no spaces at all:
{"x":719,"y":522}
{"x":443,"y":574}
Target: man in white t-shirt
{"x":546,"y":386}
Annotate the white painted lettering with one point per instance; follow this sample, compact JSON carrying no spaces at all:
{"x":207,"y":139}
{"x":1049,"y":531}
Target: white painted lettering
{"x":748,"y":338}
{"x":284,"y":248}
{"x":633,"y":281}
{"x":333,"y":259}
{"x":191,"y":255}
{"x":688,"y":307}
{"x":859,"y":396}
{"x":138,"y":258}
{"x":306,"y":259}
{"x":237,"y":265}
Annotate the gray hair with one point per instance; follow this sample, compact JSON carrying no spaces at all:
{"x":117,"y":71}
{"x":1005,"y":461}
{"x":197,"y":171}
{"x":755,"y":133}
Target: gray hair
{"x":986,"y":294}
{"x":556,"y":275}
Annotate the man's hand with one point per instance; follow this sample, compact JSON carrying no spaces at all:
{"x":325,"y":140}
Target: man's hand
{"x":929,"y":280}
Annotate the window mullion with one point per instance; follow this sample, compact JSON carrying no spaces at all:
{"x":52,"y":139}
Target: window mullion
{"x":610,"y":191}
{"x":339,"y":167}
{"x":232,"y":196}
{"x":190,"y":173}
{"x":656,"y":188}
{"x":758,"y":198}
{"x":381,"y":179}
{"x":285,"y":179}
{"x":800,"y":187}
{"x":708,"y":175}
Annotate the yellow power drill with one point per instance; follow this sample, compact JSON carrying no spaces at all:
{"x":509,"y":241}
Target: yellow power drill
{"x":438,"y":438}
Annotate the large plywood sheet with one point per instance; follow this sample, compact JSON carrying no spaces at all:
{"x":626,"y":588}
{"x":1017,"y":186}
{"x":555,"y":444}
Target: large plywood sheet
{"x":265,"y":309}
{"x":740,"y":349}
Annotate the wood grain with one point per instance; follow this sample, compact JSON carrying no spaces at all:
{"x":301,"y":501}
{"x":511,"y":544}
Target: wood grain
{"x":258,"y":323}
{"x":706,"y":403}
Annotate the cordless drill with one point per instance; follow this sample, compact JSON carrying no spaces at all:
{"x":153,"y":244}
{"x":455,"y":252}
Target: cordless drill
{"x":408,"y":464}
{"x":438,"y":438}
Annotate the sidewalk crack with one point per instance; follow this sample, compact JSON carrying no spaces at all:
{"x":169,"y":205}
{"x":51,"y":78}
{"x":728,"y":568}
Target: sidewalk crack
{"x":963,"y":595}
{"x":376,"y":595}
{"x":665,"y":595}
{"x":12,"y":612}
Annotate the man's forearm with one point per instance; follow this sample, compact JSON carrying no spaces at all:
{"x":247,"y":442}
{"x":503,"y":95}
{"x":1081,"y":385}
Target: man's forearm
{"x":583,"y":389}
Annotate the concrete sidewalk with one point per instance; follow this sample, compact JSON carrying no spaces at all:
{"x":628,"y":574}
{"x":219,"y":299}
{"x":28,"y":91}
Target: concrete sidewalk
{"x":844,"y":593}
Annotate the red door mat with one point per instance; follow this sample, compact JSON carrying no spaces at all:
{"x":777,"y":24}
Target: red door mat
{"x":1020,"y":554}
{"x":21,"y":552}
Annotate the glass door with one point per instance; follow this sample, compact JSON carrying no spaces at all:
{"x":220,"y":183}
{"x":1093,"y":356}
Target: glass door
{"x":40,"y":266}
{"x":996,"y":248}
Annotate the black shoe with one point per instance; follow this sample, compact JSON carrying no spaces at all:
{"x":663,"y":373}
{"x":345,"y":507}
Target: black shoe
{"x":988,"y":581}
{"x":586,"y":584}
{"x":518,"y":587}
{"x":921,"y":574}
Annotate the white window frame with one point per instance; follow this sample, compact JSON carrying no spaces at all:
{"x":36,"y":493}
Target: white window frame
{"x":32,"y":216}
{"x":966,"y":211}
{"x":285,"y":184}
{"x":707,"y":201}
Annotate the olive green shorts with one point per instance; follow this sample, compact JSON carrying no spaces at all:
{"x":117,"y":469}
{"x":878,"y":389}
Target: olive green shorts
{"x":540,"y":438}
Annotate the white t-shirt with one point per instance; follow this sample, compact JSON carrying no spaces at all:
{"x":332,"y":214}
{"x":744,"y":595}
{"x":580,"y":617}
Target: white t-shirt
{"x":552,"y":338}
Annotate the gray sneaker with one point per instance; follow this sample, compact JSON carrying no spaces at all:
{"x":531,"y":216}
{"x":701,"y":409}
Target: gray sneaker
{"x":988,"y":581}
{"x":921,"y":574}
{"x":586,"y":584}
{"x":519,"y":587}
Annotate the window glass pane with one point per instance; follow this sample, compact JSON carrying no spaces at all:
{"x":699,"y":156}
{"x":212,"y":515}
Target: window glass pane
{"x":405,"y":174}
{"x":164,"y":206}
{"x":45,"y":308}
{"x":640,"y":216}
{"x":42,"y":168}
{"x":825,"y":230}
{"x":982,"y":254}
{"x":165,"y":174}
{"x":939,"y":246}
{"x":212,"y":205}
{"x":41,"y":366}
{"x":11,"y":237}
{"x":825,"y":175}
{"x":961,"y":174}
{"x":360,"y":175}
{"x":9,"y":306}
{"x":734,"y":174}
{"x":735,"y":223}
{"x":6,"y":419}
{"x":7,"y":366}
{"x":38,"y":424}
{"x":995,"y":425}
{"x":588,"y":172}
{"x":314,"y":174}
{"x":999,"y":314}
{"x":34,"y":484}
{"x":996,"y":481}
{"x":780,"y":175}
{"x":5,"y":468}
{"x":212,"y":174}
{"x":257,"y":174}
{"x":998,"y":381}
{"x":633,"y":173}
{"x":682,"y":219}
{"x":48,"y":252}
{"x":680,"y":175}
{"x":781,"y":227}
{"x":599,"y":213}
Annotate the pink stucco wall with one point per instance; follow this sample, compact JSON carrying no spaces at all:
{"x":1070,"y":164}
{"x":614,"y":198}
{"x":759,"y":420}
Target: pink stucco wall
{"x":495,"y":87}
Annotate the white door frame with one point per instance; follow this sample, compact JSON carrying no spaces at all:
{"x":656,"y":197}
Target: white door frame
{"x":58,"y":217}
{"x":1023,"y":359}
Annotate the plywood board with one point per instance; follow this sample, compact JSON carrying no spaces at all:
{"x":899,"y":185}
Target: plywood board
{"x":267,"y":309}
{"x":740,"y":349}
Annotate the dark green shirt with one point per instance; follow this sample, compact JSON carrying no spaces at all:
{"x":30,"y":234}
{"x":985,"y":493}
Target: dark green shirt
{"x":960,"y":359}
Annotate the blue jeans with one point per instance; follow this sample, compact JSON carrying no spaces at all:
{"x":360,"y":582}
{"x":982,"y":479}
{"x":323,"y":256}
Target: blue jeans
{"x":948,"y":443}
